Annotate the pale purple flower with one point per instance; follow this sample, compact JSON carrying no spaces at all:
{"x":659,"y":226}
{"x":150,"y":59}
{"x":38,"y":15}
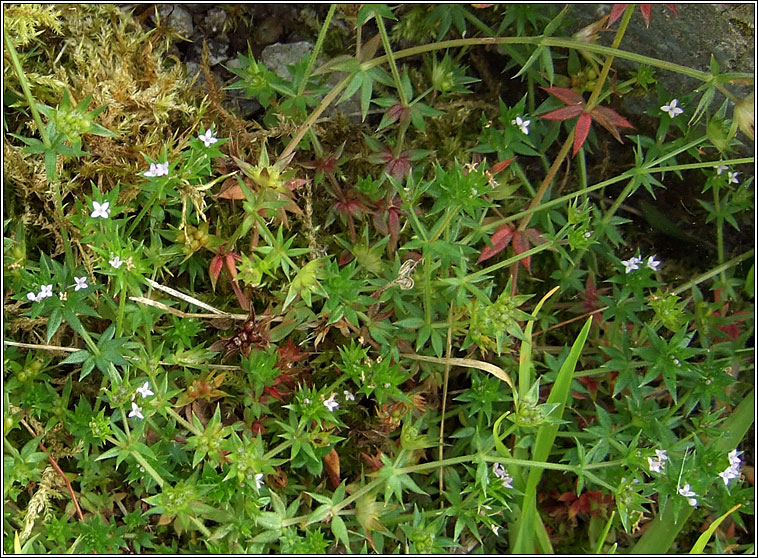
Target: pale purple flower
{"x":136,"y":411}
{"x":672,"y":109}
{"x":733,"y":471}
{"x":331,"y":403}
{"x":661,"y":455}
{"x":503,"y":475}
{"x":653,"y":264}
{"x":688,"y":493}
{"x":100,"y":210}
{"x":655,"y":465}
{"x":721,"y":168}
{"x":157,"y":169}
{"x":349,"y":396}
{"x":116,"y":262}
{"x":632,"y":263}
{"x":522,"y":124}
{"x":207,"y":138}
{"x":733,"y":177}
{"x":144,"y":390}
{"x":33,"y":297}
{"x":81,"y":283}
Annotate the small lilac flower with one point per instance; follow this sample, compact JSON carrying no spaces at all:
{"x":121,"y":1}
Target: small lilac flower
{"x":157,"y":169}
{"x":653,"y":264}
{"x":522,"y":124}
{"x":208,"y":138}
{"x":100,"y":210}
{"x":144,"y":390}
{"x":81,"y":283}
{"x":116,"y":262}
{"x":33,"y":297}
{"x":721,"y":168}
{"x":503,"y":475}
{"x":136,"y":411}
{"x":331,"y":403}
{"x":349,"y":396}
{"x":655,"y":465}
{"x":661,"y":455}
{"x":733,"y":177}
{"x":46,"y":291}
{"x":733,"y":459}
{"x":672,"y":109}
{"x":632,"y":263}
{"x":258,"y":481}
{"x":688,"y":493}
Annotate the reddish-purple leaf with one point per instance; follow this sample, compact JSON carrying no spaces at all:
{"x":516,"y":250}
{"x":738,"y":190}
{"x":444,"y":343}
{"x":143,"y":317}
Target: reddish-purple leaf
{"x":499,"y":240}
{"x":583,"y":125}
{"x":563,"y":113}
{"x":501,"y":165}
{"x":231,"y":266}
{"x":520,"y":245}
{"x":568,"y":96}
{"x":215,"y":270}
{"x":610,"y":120}
{"x":646,"y":9}
{"x":616,"y":12}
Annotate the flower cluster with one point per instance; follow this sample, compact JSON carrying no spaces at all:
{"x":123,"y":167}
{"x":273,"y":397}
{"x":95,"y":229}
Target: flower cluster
{"x":731,"y":175}
{"x":657,"y":464}
{"x":733,"y":471}
{"x":46,"y":291}
{"x":503,"y":475}
{"x":634,"y":262}
{"x":145,"y":391}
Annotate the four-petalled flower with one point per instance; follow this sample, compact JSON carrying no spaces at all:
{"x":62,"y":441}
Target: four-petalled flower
{"x":652,"y":263}
{"x":672,"y":109}
{"x":522,"y":124}
{"x":157,"y":169}
{"x":207,"y":138}
{"x":733,"y":177}
{"x":721,"y":168}
{"x":144,"y":390}
{"x":136,"y":411}
{"x":81,"y":283}
{"x":349,"y":396}
{"x":45,"y":291}
{"x":116,"y":262}
{"x":258,"y":481}
{"x":331,"y":403}
{"x":100,"y":210}
{"x":632,"y":263}
{"x":688,"y":493}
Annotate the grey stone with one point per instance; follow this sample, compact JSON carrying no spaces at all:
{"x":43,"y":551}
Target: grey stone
{"x":179,"y":19}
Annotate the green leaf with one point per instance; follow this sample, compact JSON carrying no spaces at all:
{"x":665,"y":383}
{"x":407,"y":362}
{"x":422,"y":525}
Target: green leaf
{"x":76,"y":358}
{"x":699,"y":547}
{"x":54,"y":322}
{"x":340,"y":531}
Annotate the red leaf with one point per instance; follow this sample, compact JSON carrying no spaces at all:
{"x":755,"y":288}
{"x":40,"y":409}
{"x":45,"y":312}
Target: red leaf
{"x":646,"y":9}
{"x":240,"y":297}
{"x":521,"y":244}
{"x":394,"y":221}
{"x":332,"y":463}
{"x":672,"y":9}
{"x":215,"y":269}
{"x":499,"y":240}
{"x":502,"y":165}
{"x":568,"y":96}
{"x":616,"y":12}
{"x":583,"y":125}
{"x":563,"y":113}
{"x":610,"y":120}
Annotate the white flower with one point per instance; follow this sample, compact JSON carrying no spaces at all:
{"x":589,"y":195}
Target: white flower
{"x":81,"y":283}
{"x":523,"y":124}
{"x":331,"y":403}
{"x":136,"y":411}
{"x":258,"y":481}
{"x":208,"y":138}
{"x":116,"y":262}
{"x":721,"y":168}
{"x":653,"y":264}
{"x":503,"y":475}
{"x":688,"y":493}
{"x":733,"y":177}
{"x":45,"y":291}
{"x":632,"y":263}
{"x":33,"y":297}
{"x":157,"y":169}
{"x":100,"y":210}
{"x":144,"y":390}
{"x":672,"y":109}
{"x":349,"y":396}
{"x":655,"y":465}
